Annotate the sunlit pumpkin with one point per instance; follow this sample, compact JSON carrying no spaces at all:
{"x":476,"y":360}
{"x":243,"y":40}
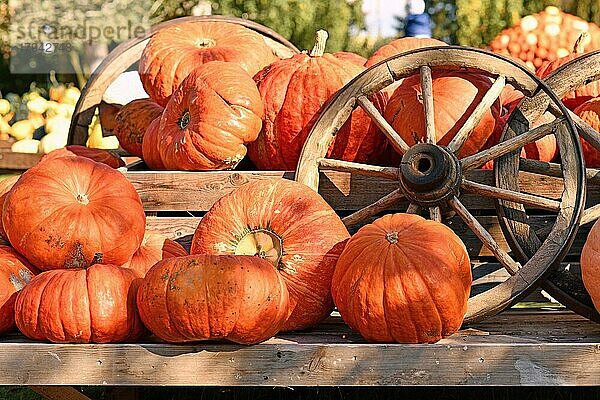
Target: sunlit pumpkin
{"x":403,"y":279}
{"x":243,"y":299}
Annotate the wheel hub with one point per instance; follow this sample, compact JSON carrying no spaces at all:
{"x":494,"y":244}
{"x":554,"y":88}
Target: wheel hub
{"x":429,"y":175}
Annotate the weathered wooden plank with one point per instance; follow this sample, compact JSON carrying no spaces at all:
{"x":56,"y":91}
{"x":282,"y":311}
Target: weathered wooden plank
{"x":556,"y":348}
{"x":176,"y":191}
{"x":18,"y":161}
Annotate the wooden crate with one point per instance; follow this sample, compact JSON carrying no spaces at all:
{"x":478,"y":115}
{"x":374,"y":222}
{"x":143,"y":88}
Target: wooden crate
{"x":531,"y":347}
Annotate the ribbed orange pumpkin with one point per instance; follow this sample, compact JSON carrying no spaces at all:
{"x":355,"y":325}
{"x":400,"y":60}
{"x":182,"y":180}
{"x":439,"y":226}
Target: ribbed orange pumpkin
{"x":401,"y":45}
{"x":573,"y":99}
{"x":590,"y":113}
{"x":241,"y":299}
{"x":403,"y":279}
{"x":151,"y":146}
{"x":455,"y":96}
{"x":210,"y":118}
{"x":15,"y":273}
{"x":290,"y":226}
{"x":93,"y":305}
{"x":154,"y":248}
{"x":294,"y":91}
{"x":132,"y":121}
{"x":174,"y":52}
{"x":70,"y":212}
{"x":107,"y":157}
{"x":352,"y":57}
{"x":590,"y":264}
{"x":5,"y":185}
{"x":544,"y":36}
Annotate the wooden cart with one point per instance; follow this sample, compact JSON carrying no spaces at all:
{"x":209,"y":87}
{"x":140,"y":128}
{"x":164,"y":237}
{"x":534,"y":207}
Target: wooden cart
{"x":485,"y":208}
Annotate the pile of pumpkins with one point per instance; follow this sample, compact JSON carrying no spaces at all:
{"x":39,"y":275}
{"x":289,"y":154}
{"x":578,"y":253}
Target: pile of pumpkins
{"x":270,"y":256}
{"x":545,"y":36}
{"x":217,"y":94}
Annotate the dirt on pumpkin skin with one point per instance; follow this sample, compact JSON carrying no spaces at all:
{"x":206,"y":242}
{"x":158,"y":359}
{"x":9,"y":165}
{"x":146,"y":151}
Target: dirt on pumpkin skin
{"x":76,"y":258}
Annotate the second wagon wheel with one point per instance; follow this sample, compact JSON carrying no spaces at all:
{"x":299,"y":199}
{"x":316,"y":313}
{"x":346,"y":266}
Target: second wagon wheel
{"x":433,"y":178}
{"x":564,"y":283}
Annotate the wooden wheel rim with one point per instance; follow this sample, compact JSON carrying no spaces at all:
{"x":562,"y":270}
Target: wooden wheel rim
{"x":565,"y":285}
{"x":340,"y":107}
{"x":130,"y":51}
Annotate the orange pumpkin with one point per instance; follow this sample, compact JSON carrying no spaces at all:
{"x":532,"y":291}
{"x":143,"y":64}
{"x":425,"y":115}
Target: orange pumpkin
{"x":294,"y":91}
{"x":108,"y":157}
{"x":354,"y":58}
{"x":5,"y":185}
{"x":401,"y":45}
{"x":154,"y":248}
{"x":93,"y":305}
{"x":15,"y":273}
{"x":403,"y":279}
{"x":290,"y":226}
{"x":172,"y":53}
{"x":455,"y":96}
{"x":590,"y":113}
{"x":243,"y":299}
{"x":211,"y":117}
{"x":590,"y":263}
{"x":151,"y":146}
{"x":573,"y":99}
{"x":132,"y":121}
{"x":89,"y":213}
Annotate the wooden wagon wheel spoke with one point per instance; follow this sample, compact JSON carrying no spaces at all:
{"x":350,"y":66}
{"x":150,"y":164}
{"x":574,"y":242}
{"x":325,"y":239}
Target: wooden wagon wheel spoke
{"x":427,"y":93}
{"x":486,"y":238}
{"x":435,"y":213}
{"x":359,"y":168}
{"x":413,"y":209}
{"x":484,"y":105}
{"x":397,"y":142}
{"x":372,"y":209}
{"x":590,"y":215}
{"x":509,"y":195}
{"x":478,"y":159}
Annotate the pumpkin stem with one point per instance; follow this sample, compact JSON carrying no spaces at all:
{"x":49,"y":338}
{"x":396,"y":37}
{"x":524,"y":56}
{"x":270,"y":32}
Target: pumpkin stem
{"x":579,"y":47}
{"x":392,"y":237}
{"x":320,"y":41}
{"x":205,"y":43}
{"x":261,"y":243}
{"x":82,"y":198}
{"x":184,"y":121}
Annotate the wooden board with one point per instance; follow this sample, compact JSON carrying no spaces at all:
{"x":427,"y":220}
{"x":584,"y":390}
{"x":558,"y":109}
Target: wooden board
{"x":18,"y":161}
{"x":514,"y":348}
{"x":176,"y":191}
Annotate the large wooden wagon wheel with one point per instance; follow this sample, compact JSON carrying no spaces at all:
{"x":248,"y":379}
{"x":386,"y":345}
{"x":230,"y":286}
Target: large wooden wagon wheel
{"x":129,"y":52}
{"x":432,"y":178}
{"x":564,"y":283}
